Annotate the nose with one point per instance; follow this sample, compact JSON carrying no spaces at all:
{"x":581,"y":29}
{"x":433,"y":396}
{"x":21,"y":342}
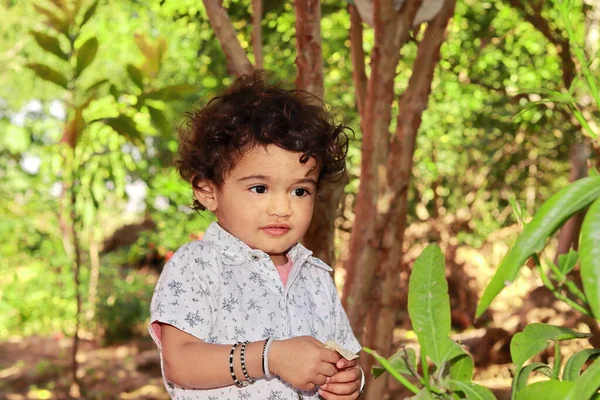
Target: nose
{"x":280,"y":206}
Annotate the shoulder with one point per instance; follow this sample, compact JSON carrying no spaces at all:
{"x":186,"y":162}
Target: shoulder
{"x":193,"y":256}
{"x":318,"y":263}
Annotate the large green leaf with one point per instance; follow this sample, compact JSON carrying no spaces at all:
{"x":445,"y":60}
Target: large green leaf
{"x":50,"y":44}
{"x":587,"y":384}
{"x":160,"y":121}
{"x":522,"y":375}
{"x":471,"y":390}
{"x":534,"y":339}
{"x":429,"y":304}
{"x":49,"y":74}
{"x":85,"y":55}
{"x":545,"y":222}
{"x":422,"y":395}
{"x":547,"y":390}
{"x":589,"y":249}
{"x":404,"y":361}
{"x":576,"y":362}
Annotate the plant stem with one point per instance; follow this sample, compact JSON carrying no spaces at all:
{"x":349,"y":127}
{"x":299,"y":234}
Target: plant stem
{"x":425,"y":367}
{"x":556,"y":293}
{"x":389,"y":368}
{"x":556,"y":366}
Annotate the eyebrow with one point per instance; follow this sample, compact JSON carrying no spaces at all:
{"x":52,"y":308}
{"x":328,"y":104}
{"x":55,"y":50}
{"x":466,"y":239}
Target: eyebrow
{"x":266,"y":178}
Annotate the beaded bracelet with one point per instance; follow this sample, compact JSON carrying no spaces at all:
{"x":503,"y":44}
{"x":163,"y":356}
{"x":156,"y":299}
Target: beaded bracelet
{"x":243,"y":360}
{"x":231,"y":371}
{"x":266,"y":357}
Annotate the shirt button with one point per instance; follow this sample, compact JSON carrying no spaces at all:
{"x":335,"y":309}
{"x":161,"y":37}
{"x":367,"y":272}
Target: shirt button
{"x":254,"y":257}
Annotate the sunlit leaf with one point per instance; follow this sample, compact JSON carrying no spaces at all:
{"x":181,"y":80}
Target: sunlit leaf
{"x":566,"y":262}
{"x":520,"y":380}
{"x":587,"y":384}
{"x":550,"y":216}
{"x":461,"y":368}
{"x":175,"y":92}
{"x":160,"y":121}
{"x":577,"y":361}
{"x":547,"y":390}
{"x":534,"y":339}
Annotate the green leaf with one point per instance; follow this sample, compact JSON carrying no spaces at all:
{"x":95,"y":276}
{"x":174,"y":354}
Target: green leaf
{"x":429,"y":304}
{"x":522,"y":375}
{"x":534,"y":338}
{"x":159,"y":121}
{"x":576,"y":362}
{"x":403,"y":361}
{"x":461,"y":368}
{"x":547,"y":390}
{"x":422,"y":395}
{"x":124,"y":126}
{"x":58,"y":24}
{"x":587,"y":384}
{"x":96,"y":85}
{"x":175,"y":92}
{"x":472,"y":390}
{"x":398,"y":376}
{"x":136,"y":75}
{"x":89,"y":13}
{"x":49,"y":74}
{"x":50,"y":44}
{"x":566,"y":262}
{"x":85,"y":55}
{"x":550,"y":216}
{"x":589,"y":249}
{"x":114,"y":91}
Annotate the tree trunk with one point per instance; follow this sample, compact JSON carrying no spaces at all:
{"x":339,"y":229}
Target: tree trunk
{"x":391,"y":32}
{"x":412,"y":104}
{"x":219,"y":20}
{"x":320,"y":237}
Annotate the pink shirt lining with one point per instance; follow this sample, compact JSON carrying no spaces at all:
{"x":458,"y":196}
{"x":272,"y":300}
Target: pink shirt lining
{"x":284,"y":271}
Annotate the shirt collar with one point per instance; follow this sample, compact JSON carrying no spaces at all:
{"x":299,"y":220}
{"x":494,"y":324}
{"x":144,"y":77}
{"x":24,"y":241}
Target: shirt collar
{"x":236,"y":252}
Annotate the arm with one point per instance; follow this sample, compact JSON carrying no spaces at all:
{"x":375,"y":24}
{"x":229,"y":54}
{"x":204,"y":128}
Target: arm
{"x":191,"y":363}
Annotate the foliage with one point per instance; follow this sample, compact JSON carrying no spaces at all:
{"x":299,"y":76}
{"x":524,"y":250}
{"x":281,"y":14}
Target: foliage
{"x":429,"y":310}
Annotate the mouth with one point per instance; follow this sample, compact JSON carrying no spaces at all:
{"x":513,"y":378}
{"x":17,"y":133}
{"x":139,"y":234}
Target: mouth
{"x":276,"y":229}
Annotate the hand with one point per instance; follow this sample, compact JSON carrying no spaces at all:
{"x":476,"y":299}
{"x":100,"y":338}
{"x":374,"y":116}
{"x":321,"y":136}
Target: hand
{"x":344,"y":385}
{"x":302,"y":361}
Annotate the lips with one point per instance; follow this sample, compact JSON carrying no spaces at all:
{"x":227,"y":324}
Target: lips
{"x":276,"y":229}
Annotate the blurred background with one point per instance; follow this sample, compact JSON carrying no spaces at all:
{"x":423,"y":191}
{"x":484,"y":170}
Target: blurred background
{"x":91,"y":98}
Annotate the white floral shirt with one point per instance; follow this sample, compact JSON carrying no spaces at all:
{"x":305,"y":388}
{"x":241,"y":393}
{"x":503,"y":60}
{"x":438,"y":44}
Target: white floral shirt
{"x":221,"y":291}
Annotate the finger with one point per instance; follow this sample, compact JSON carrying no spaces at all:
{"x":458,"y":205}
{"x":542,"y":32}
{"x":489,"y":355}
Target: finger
{"x":341,"y":388}
{"x":327,"y":395}
{"x":330,"y":356}
{"x":320,"y":379}
{"x":326,"y":369}
{"x":347,"y":375}
{"x":344,"y":364}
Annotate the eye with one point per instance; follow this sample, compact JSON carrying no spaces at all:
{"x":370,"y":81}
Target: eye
{"x":259,"y":189}
{"x":300,"y":192}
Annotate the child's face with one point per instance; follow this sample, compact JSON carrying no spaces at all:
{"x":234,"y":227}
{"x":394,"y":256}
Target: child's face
{"x":267,"y":200}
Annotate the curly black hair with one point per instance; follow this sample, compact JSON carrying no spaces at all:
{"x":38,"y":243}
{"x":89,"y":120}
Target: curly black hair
{"x":253,"y":112}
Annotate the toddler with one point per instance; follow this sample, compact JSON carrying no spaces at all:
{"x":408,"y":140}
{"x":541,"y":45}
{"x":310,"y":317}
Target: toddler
{"x":244,"y":312}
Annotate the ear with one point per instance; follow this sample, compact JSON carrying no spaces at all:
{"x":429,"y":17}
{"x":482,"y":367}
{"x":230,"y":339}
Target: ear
{"x":206,"y":193}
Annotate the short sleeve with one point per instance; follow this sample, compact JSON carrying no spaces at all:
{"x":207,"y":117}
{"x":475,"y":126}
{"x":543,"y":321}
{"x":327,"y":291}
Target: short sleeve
{"x":342,"y":333}
{"x":184,"y":296}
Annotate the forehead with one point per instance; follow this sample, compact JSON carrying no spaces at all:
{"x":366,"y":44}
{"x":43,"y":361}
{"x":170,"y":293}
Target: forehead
{"x":274,"y":161}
